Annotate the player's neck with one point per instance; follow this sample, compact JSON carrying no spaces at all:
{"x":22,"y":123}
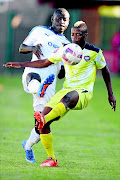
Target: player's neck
{"x":82,"y":44}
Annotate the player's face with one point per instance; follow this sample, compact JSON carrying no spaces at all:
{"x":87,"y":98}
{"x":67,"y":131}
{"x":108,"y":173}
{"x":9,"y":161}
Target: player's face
{"x":60,"y":22}
{"x":78,"y":36}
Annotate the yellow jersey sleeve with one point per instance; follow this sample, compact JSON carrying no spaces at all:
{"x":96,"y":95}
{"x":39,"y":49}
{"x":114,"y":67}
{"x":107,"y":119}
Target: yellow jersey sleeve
{"x":56,"y":56}
{"x":100,"y":60}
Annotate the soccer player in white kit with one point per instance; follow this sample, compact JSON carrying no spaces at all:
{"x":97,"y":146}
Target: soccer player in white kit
{"x":43,"y":41}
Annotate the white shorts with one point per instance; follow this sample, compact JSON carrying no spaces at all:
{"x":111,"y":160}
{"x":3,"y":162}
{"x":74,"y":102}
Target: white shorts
{"x":39,"y":102}
{"x":50,"y":92}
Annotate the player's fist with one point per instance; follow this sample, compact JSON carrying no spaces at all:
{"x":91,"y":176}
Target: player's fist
{"x":12,"y":65}
{"x":112,"y":101}
{"x":37,"y":50}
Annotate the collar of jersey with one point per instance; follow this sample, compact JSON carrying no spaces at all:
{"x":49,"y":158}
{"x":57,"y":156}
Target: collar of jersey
{"x":52,"y":30}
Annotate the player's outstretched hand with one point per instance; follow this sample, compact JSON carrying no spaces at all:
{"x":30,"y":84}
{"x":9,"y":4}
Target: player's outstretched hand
{"x":37,"y":50}
{"x":112,"y":101}
{"x":12,"y":65}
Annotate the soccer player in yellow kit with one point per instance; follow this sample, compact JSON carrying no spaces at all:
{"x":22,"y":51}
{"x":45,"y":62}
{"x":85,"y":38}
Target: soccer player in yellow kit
{"x":77,"y":89}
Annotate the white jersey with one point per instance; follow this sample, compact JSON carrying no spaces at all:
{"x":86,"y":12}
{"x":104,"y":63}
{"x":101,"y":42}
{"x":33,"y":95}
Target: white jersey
{"x":50,"y":41}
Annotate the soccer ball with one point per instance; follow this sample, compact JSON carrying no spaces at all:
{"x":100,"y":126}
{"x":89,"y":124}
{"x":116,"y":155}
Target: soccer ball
{"x":71,"y":54}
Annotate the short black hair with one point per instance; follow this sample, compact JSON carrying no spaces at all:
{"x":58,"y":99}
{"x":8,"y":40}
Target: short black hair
{"x":60,"y":10}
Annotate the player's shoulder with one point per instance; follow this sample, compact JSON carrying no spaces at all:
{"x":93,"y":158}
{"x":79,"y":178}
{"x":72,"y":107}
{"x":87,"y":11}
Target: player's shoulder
{"x":92,"y":47}
{"x":38,"y":28}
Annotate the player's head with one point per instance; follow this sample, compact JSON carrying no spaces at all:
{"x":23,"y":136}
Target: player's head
{"x":60,"y":20}
{"x":79,"y":33}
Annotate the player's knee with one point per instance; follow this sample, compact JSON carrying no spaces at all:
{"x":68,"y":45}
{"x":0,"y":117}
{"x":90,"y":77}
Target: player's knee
{"x":70,"y":99}
{"x":31,"y":76}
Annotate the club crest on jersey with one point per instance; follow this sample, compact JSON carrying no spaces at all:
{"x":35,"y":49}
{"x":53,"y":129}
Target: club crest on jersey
{"x":86,"y":58}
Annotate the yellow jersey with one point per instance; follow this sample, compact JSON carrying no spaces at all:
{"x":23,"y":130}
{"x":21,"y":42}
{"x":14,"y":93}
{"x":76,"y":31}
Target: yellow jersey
{"x":83,"y":74}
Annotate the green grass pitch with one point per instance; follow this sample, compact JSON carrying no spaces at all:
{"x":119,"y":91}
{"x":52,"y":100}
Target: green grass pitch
{"x":86,"y":143}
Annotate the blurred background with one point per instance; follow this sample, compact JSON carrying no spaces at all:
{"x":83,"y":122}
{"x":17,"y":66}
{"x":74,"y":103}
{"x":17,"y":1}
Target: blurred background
{"x":18,"y":17}
{"x":86,"y":142}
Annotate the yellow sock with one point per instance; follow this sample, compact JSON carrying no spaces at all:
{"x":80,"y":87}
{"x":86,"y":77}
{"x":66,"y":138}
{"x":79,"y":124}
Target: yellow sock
{"x":46,"y":140}
{"x":58,"y":111}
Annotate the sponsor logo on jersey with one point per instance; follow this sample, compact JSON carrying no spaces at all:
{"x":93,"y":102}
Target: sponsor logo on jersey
{"x":53,"y":45}
{"x":47,"y":34}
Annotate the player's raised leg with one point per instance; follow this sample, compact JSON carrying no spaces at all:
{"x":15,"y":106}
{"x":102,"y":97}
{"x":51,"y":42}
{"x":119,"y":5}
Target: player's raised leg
{"x":35,"y":86}
{"x":33,"y":81}
{"x":44,"y":85}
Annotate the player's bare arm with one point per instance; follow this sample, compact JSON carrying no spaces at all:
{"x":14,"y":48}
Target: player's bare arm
{"x":25,"y":49}
{"x":107,"y":79}
{"x":35,"y":64}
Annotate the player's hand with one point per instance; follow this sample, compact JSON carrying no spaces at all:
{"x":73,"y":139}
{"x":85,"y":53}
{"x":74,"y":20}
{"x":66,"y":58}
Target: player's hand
{"x":112,"y":101}
{"x":12,"y":65}
{"x":37,"y":50}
